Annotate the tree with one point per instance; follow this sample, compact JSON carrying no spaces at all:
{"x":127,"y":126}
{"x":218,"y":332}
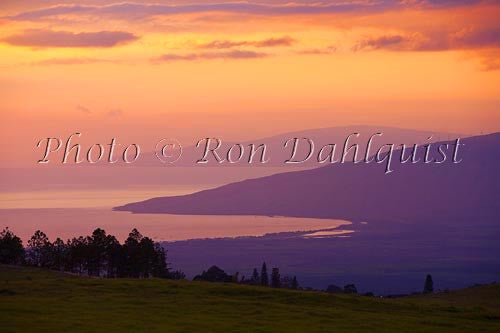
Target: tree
{"x":97,"y":245}
{"x":214,"y":274}
{"x":289,"y":282}
{"x":11,"y":248}
{"x":264,"y":278}
{"x":96,"y":255}
{"x":159,"y":265}
{"x":275,"y":278}
{"x":295,"y":283}
{"x":255,"y":280}
{"x":333,"y":289}
{"x":77,"y":255}
{"x":115,"y":257}
{"x":39,"y":249}
{"x":350,"y":289}
{"x":176,"y":275}
{"x":133,"y":256}
{"x":58,"y":255}
{"x":147,"y":255}
{"x":429,"y":284}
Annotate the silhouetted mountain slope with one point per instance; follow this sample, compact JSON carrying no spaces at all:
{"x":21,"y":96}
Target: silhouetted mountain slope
{"x":444,"y":192}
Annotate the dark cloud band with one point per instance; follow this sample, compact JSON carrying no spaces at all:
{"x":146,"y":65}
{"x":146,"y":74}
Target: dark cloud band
{"x":233,"y":54}
{"x":270,"y":42}
{"x":49,"y":38}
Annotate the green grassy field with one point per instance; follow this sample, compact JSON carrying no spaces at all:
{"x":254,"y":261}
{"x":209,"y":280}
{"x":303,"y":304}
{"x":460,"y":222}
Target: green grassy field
{"x":34,"y":300}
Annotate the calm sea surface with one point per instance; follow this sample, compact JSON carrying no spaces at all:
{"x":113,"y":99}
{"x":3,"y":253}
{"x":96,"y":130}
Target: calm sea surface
{"x":71,"y":222}
{"x":67,"y":214}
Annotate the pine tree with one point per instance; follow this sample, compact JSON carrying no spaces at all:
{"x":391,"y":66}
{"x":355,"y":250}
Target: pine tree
{"x":264,"y":278}
{"x":295,"y":283}
{"x":59,"y":255}
{"x":255,"y":277}
{"x":11,"y":248}
{"x":275,"y":278}
{"x":350,"y":289}
{"x":429,"y":284}
{"x":96,"y":247}
{"x":39,"y":248}
{"x":133,"y":254}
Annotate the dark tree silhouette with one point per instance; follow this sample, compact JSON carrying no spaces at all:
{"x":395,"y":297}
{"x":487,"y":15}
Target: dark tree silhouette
{"x":96,"y":255}
{"x":159,"y":263}
{"x":255,"y":280}
{"x":97,"y":246}
{"x":350,"y":289}
{"x":58,"y":255}
{"x":147,"y":256}
{"x":39,"y":250}
{"x":275,"y":278}
{"x":294,"y":284}
{"x":77,"y":255}
{"x":115,"y":256}
{"x":143,"y":258}
{"x":429,"y":284}
{"x":264,"y":278}
{"x":133,"y":256}
{"x":214,"y":274}
{"x":333,"y":289}
{"x":176,"y":275}
{"x":11,"y":248}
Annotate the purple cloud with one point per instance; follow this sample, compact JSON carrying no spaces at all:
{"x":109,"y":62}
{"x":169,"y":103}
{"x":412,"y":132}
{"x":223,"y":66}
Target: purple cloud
{"x":319,"y":51}
{"x":270,"y":42}
{"x":383,"y":42}
{"x":173,"y":57}
{"x":137,"y":10}
{"x":478,"y":38}
{"x":434,"y":41}
{"x":233,"y":54}
{"x":49,"y":38}
{"x":127,"y":10}
{"x":440,"y":3}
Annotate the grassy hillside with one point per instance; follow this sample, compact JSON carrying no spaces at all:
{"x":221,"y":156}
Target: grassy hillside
{"x":44,"y":301}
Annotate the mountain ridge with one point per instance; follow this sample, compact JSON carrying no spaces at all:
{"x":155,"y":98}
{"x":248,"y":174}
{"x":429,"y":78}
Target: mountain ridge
{"x":358,"y":192}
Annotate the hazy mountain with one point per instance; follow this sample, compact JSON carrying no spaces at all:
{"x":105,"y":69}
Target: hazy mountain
{"x":148,"y":171}
{"x":277,"y":153}
{"x":446,"y":192}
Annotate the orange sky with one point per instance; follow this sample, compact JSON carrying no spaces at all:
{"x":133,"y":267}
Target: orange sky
{"x":244,"y":70}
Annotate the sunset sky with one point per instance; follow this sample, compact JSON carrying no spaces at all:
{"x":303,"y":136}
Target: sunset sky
{"x":139,"y":70}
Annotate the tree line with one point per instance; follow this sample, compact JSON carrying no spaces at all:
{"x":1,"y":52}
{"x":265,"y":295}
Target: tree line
{"x":102,"y":255}
{"x":216,"y":274}
{"x":99,"y":255}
